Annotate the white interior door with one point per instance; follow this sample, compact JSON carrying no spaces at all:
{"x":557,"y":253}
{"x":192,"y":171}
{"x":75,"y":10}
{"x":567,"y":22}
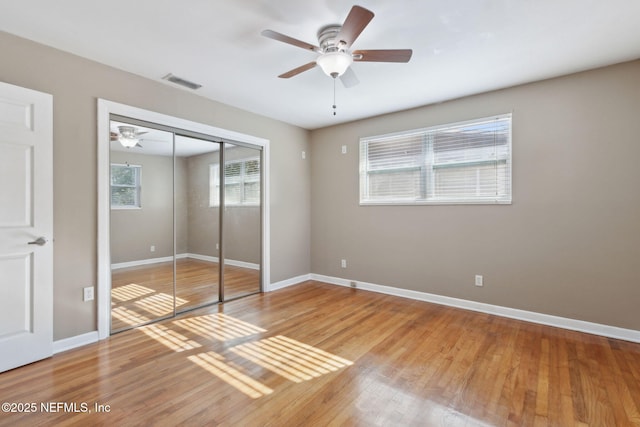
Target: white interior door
{"x":26,"y":226}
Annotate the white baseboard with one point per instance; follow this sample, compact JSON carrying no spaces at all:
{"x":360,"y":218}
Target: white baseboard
{"x":288,"y":282}
{"x":233,"y":262}
{"x":243,"y":264}
{"x":140,"y":262}
{"x":74,"y":342}
{"x":208,"y":258}
{"x":512,"y":313}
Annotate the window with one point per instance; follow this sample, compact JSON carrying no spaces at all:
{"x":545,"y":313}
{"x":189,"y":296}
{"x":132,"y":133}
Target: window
{"x":468,"y":162}
{"x":125,"y":186}
{"x":241,"y":182}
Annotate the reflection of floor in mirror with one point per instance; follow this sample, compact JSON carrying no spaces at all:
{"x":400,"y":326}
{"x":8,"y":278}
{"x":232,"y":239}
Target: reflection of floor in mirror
{"x":144,"y":293}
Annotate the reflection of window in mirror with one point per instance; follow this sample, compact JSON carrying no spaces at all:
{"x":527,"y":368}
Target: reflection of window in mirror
{"x":125,"y":186}
{"x":241,"y":183}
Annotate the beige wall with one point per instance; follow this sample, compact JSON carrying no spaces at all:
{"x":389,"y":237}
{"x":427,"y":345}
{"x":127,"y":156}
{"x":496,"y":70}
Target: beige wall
{"x":134,"y":231}
{"x":242,"y":223}
{"x":75,"y":84}
{"x":567,"y":246}
{"x":203,"y":219}
{"x":181,"y":195}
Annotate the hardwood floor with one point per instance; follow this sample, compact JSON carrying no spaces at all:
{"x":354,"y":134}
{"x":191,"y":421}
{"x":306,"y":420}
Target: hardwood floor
{"x":316,"y":354}
{"x":145,"y":293}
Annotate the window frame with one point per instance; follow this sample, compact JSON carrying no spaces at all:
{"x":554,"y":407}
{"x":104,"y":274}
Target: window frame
{"x":137,"y":186}
{"x":214,"y":183}
{"x":427,"y":167}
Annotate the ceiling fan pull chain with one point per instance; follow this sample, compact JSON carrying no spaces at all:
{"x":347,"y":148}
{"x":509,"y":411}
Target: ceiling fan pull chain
{"x":334,"y":96}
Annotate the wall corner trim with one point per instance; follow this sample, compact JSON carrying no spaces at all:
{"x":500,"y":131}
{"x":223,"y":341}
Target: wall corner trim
{"x":73,"y":342}
{"x":512,"y":313}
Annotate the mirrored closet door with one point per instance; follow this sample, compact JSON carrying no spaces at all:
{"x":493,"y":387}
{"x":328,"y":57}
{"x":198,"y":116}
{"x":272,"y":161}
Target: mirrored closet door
{"x":185,"y":232}
{"x":242,"y":219}
{"x":197,"y":223}
{"x":141,"y":226}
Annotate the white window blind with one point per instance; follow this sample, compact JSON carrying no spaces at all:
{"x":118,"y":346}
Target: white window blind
{"x":467,"y":162}
{"x":241,"y":183}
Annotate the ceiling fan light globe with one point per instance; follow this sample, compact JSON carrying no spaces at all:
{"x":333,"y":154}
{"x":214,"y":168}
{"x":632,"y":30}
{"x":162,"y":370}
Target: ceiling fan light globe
{"x":334,"y":64}
{"x":128,"y":142}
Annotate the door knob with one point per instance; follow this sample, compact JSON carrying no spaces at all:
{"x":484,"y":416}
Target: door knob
{"x":40,"y":241}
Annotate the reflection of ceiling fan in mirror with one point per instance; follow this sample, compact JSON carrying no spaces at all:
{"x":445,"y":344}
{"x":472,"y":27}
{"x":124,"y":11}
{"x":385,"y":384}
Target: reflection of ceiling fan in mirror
{"x":128,"y":136}
{"x":335,"y":42}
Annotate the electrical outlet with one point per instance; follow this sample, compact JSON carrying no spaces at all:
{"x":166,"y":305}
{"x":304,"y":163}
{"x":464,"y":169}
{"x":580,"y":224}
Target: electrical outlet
{"x":343,"y":263}
{"x":344,"y":149}
{"x":152,"y":248}
{"x":353,"y":284}
{"x":304,"y":155}
{"x":87,"y":294}
{"x":479,"y":280}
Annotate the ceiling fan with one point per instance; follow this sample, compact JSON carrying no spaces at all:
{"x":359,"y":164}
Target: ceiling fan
{"x":335,"y":51}
{"x":128,"y":136}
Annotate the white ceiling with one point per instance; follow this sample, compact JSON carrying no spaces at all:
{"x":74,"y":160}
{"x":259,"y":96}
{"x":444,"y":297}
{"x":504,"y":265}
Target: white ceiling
{"x":460,"y":47}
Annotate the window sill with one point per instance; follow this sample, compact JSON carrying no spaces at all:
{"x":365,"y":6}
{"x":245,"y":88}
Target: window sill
{"x":126,"y":208}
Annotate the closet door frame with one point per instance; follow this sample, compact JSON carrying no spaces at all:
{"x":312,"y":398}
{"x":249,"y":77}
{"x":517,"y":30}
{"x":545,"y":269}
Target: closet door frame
{"x":105,"y":110}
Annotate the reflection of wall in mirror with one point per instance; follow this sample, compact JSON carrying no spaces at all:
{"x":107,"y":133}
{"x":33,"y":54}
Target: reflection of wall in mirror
{"x":242,"y":223}
{"x":134,"y":231}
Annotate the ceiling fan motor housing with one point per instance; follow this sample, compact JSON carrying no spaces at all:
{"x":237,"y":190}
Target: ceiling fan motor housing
{"x":328,"y":39}
{"x":127,"y":131}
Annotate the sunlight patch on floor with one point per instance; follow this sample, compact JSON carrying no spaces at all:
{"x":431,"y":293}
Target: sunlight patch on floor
{"x":286,"y":357}
{"x":170,"y":338}
{"x":215,"y":364}
{"x":219,"y":326}
{"x":127,"y":316}
{"x":130,"y":291}
{"x":159,"y":304}
{"x":291,"y":359}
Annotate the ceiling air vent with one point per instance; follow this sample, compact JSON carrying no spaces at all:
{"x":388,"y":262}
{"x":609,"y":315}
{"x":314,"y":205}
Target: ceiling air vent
{"x":182,"y":82}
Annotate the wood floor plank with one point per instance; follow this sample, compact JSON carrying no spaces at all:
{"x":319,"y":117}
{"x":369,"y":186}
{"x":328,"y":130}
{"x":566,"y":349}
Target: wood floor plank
{"x":316,"y":354}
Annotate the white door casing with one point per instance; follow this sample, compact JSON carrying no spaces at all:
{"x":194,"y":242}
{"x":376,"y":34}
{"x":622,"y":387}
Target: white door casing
{"x":26,"y":214}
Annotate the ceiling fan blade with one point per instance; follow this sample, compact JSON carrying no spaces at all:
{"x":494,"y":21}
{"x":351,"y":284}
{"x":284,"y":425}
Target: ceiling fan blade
{"x":356,"y":21}
{"x":298,"y":70}
{"x":289,"y":40}
{"x":349,"y":78}
{"x":383,"y":55}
